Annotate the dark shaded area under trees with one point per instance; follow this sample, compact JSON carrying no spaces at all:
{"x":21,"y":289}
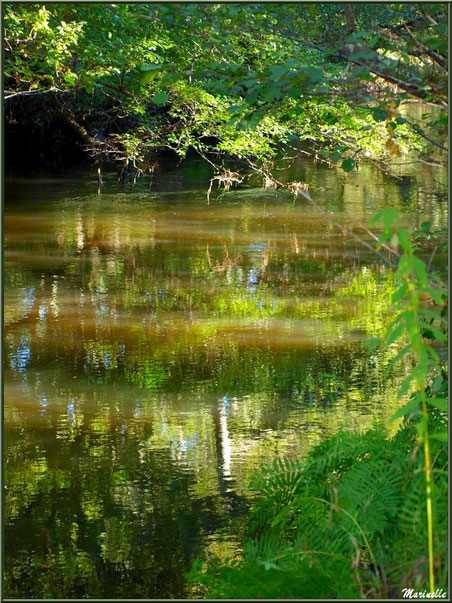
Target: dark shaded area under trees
{"x":123,"y":82}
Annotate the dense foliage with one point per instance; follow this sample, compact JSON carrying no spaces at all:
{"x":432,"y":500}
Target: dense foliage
{"x":131,"y":79}
{"x":349,"y":522}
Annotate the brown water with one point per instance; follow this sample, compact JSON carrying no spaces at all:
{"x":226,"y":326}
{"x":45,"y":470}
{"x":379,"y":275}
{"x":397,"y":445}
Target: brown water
{"x":159,"y":350}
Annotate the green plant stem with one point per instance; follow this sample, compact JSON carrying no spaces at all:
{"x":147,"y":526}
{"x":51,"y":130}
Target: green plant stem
{"x":428,"y":488}
{"x":414,"y":302}
{"x":366,"y":542}
{"x":307,"y":552}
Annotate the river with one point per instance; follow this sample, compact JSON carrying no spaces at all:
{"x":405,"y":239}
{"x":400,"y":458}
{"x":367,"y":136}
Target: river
{"x":158,"y":350}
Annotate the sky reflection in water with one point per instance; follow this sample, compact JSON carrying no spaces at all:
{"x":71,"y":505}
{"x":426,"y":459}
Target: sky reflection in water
{"x":159,"y":350}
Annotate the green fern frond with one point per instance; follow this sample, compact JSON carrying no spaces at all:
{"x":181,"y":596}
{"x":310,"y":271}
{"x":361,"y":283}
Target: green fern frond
{"x":348,"y":522}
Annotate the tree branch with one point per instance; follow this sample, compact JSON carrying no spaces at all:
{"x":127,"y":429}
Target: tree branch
{"x":72,"y":123}
{"x":32,"y":93}
{"x":424,"y":135}
{"x":431,"y":54}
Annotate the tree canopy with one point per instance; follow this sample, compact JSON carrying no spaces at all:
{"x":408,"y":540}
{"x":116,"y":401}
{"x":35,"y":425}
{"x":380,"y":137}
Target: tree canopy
{"x":237,"y":80}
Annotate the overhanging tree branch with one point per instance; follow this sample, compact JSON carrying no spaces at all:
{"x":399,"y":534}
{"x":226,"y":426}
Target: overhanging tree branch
{"x":72,"y":123}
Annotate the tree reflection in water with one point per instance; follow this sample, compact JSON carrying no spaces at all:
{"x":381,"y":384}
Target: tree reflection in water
{"x":146,"y":379}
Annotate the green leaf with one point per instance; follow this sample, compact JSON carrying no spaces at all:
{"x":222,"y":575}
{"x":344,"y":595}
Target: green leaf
{"x":374,"y":40}
{"x":70,"y":78}
{"x":394,"y":240}
{"x":148,"y":76}
{"x":315,"y":74}
{"x":394,"y":334}
{"x":436,"y":44}
{"x":160,"y":98}
{"x":396,"y":359}
{"x":400,"y":293}
{"x":278,"y":70}
{"x":420,"y":269}
{"x":348,"y":165}
{"x":295,"y":92}
{"x":410,"y":409}
{"x":389,"y":215}
{"x":362,"y":55}
{"x":361,"y":72}
{"x":251,"y":98}
{"x":439,"y":335}
{"x":330,"y":118}
{"x":413,"y":376}
{"x":434,"y":354}
{"x":243,"y":124}
{"x":153,"y":67}
{"x":171,"y":77}
{"x":439,"y":384}
{"x":336,"y":156}
{"x":282,"y":515}
{"x":405,"y":265}
{"x":272,"y":94}
{"x":379,"y":114}
{"x":439,"y":403}
{"x":268,"y":565}
{"x":234,"y":119}
{"x":404,"y":239}
{"x":434,"y":294}
{"x":441,"y":436}
{"x":372,"y":343}
{"x":235,"y":108}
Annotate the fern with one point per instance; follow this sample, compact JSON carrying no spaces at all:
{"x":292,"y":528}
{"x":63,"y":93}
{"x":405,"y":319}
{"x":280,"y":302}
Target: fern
{"x":348,"y":522}
{"x":352,"y":519}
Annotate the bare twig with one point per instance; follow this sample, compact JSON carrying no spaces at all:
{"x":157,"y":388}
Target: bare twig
{"x":424,"y":135}
{"x":430,"y":260}
{"x":440,"y":61}
{"x":32,"y":92}
{"x":349,"y":231}
{"x":227,"y":179}
{"x":342,"y":228}
{"x":375,"y":238}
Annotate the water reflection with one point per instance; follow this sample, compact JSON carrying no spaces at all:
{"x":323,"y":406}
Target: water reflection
{"x":158,"y":350}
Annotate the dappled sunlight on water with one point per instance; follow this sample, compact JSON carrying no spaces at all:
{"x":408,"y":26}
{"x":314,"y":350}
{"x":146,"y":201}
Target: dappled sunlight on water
{"x":159,"y":350}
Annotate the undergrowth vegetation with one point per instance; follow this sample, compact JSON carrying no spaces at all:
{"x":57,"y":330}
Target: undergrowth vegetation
{"x":365,"y":514}
{"x":347,"y":522}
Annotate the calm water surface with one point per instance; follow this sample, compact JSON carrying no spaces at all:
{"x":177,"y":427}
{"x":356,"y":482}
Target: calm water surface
{"x":159,"y":350}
